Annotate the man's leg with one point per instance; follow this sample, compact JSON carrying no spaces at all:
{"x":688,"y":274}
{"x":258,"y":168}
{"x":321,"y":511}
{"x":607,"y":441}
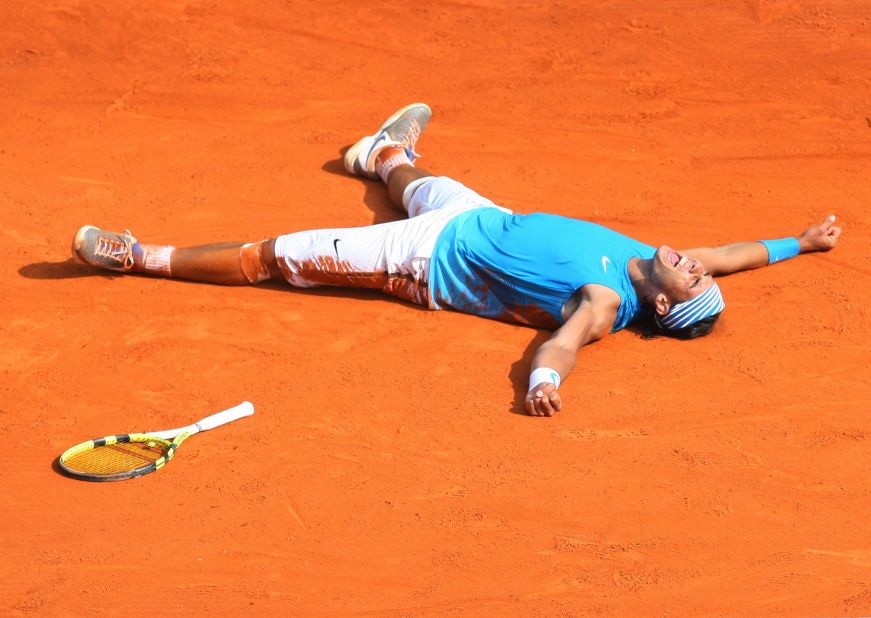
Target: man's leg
{"x":390,"y":153}
{"x":398,"y":181}
{"x":385,"y":257}
{"x":229,"y":263}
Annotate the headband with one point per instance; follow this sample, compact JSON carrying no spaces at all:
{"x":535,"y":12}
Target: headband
{"x":708,"y":303}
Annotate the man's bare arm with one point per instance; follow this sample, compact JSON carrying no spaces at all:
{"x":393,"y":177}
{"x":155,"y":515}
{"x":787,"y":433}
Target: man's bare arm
{"x":735,"y":257}
{"x":593,"y":319}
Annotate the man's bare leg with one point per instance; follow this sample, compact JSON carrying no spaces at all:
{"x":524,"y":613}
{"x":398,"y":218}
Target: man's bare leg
{"x":229,"y":263}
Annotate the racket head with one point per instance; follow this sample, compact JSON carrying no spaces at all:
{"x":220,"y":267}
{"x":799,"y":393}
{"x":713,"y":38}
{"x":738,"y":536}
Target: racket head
{"x":116,"y":458}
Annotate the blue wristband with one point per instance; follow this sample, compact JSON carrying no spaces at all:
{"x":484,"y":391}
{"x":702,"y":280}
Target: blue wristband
{"x":781,"y":249}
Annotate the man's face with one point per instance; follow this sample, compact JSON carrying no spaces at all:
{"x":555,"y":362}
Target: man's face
{"x":679,"y":277}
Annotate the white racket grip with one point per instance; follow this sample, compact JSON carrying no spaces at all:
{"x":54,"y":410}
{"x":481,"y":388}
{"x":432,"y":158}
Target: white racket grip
{"x":246,"y":408}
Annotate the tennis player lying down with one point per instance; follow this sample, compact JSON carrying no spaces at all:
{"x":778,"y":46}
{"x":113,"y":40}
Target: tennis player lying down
{"x":461,"y":251}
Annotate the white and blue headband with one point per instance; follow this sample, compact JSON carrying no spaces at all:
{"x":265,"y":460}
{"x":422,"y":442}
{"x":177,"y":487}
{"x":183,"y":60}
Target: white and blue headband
{"x":708,"y":303}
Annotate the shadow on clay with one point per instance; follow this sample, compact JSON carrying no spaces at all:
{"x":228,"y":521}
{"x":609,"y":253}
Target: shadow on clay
{"x":519,"y":373}
{"x":375,"y":195}
{"x":68,"y":269}
{"x":71,"y":269}
{"x":334,"y":292}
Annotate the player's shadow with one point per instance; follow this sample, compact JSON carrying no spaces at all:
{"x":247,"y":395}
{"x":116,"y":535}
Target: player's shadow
{"x":519,"y":372}
{"x":334,"y":292}
{"x":375,"y":193}
{"x":68,"y":269}
{"x":74,"y":270}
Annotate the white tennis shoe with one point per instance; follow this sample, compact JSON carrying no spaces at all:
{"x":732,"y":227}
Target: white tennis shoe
{"x":402,"y":129}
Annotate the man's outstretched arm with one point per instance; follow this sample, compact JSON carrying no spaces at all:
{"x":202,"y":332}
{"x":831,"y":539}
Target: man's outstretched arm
{"x":739,"y":256}
{"x":555,"y":358}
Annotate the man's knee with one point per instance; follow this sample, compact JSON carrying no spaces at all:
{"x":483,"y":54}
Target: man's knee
{"x":402,"y":183}
{"x":258,"y":261}
{"x":410,"y":188}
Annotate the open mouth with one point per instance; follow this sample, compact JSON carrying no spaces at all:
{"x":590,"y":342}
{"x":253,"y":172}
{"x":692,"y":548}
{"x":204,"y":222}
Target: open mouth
{"x":676,"y":259}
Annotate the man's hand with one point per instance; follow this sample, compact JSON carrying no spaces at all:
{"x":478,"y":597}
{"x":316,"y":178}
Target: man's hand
{"x":820,"y":237}
{"x":543,"y":400}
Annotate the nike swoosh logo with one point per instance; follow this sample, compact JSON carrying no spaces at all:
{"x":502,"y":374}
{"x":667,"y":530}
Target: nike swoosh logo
{"x":605,"y":261}
{"x":381,"y":138}
{"x":336,"y":245}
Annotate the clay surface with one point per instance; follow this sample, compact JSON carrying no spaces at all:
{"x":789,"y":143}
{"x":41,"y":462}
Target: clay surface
{"x":389,"y":469}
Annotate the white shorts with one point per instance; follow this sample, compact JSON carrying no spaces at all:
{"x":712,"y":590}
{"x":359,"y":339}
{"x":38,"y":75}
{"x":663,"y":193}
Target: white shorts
{"x":393,"y":257}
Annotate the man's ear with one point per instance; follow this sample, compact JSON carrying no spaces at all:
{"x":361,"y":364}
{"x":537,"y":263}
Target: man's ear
{"x":661,"y":304}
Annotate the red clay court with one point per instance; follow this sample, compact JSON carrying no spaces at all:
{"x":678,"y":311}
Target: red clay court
{"x":389,"y":470}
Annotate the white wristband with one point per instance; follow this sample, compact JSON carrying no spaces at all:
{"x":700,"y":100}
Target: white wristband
{"x":543,"y":374}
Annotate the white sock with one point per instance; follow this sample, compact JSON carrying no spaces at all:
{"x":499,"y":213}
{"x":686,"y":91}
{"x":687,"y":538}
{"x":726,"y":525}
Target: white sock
{"x":154,"y":259}
{"x":390,"y":159}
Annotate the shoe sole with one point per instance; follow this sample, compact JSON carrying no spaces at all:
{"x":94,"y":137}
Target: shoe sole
{"x":352,"y":157}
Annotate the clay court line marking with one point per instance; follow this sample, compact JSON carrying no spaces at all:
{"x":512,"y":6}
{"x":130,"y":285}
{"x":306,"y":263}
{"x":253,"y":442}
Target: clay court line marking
{"x":859,"y":557}
{"x":838,"y":156}
{"x":584,"y":435}
{"x":850,"y":267}
{"x":87,"y":181}
{"x":814,"y":405}
{"x":292,"y":512}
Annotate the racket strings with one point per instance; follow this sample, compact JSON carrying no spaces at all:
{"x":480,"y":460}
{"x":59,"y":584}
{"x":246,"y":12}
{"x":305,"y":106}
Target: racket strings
{"x":120,"y":457}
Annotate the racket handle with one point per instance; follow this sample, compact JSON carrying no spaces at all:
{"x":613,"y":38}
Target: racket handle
{"x":246,"y":408}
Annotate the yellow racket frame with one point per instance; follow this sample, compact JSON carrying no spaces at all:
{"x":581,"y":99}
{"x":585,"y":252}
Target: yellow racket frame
{"x":90,"y":445}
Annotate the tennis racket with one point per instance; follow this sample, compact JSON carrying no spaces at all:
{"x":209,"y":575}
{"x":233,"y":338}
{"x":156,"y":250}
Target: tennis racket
{"x":115,"y":458}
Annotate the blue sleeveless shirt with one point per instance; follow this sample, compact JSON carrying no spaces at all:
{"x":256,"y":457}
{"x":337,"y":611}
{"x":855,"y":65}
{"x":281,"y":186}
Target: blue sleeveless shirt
{"x":523,"y":268}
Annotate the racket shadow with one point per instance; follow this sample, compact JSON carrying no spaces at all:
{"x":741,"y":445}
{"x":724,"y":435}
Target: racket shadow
{"x":56,"y":468}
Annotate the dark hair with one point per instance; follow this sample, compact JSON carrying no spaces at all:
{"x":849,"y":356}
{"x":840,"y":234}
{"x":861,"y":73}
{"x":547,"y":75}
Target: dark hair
{"x":648,"y":326}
